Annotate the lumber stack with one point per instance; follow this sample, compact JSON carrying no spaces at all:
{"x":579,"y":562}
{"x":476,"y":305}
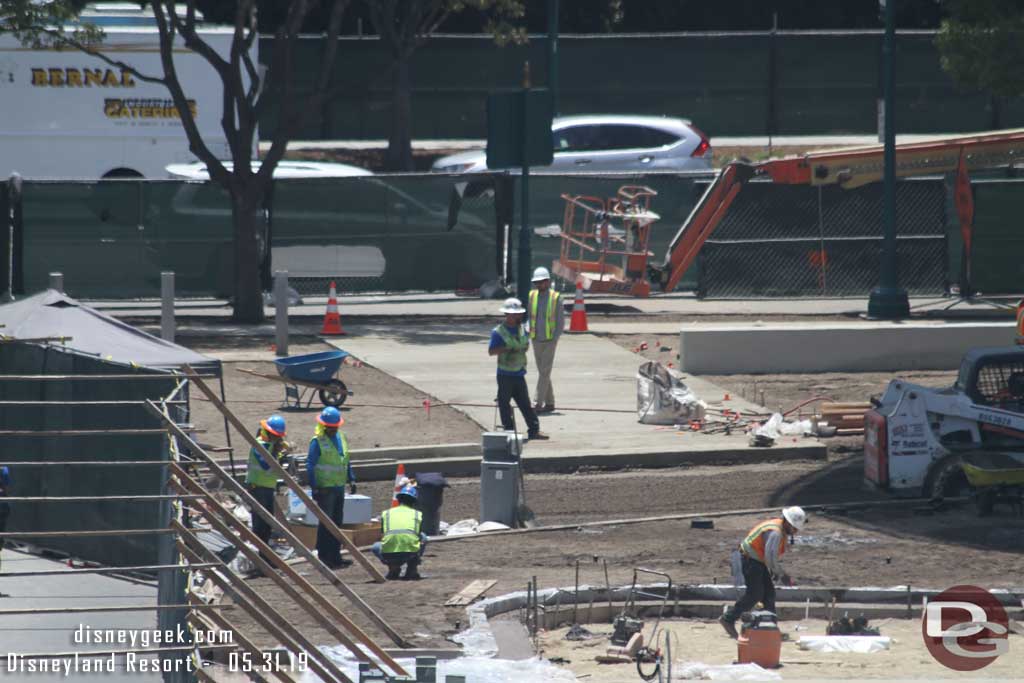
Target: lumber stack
{"x":847,"y":418}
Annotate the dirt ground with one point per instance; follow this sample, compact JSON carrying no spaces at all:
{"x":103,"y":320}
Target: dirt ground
{"x":787,"y":390}
{"x":704,"y":641}
{"x":382,"y":412}
{"x":879,"y":546}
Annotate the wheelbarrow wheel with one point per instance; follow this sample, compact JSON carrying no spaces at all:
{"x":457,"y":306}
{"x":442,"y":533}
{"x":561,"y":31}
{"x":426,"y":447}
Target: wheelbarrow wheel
{"x":334,"y":394}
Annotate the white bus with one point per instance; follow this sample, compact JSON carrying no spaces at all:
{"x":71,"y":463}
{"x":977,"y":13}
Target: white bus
{"x":68,"y":115}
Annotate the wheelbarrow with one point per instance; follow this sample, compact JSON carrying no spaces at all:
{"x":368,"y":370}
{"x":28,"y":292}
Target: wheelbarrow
{"x":997,"y":477}
{"x":309,"y":375}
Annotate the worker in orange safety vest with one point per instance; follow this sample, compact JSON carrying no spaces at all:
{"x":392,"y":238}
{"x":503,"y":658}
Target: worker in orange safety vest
{"x":761,"y":556}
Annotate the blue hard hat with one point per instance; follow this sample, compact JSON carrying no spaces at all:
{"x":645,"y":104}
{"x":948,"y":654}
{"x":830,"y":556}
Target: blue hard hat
{"x":409,"y":492}
{"x":274,"y":425}
{"x":330,"y":417}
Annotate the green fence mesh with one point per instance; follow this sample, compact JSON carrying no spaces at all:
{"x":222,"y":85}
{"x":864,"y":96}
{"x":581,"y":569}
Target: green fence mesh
{"x":996,"y":264}
{"x":729,"y":84}
{"x":429,"y":232}
{"x":63,"y":413}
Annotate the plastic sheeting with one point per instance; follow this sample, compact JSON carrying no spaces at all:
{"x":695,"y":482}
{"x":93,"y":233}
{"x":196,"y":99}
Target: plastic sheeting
{"x":698,"y":671}
{"x":777,"y":426}
{"x":475,"y":669}
{"x":856,"y":644}
{"x":663,"y":399}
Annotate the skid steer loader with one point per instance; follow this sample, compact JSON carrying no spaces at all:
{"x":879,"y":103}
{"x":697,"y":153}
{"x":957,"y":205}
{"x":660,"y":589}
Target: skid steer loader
{"x":947,"y":442}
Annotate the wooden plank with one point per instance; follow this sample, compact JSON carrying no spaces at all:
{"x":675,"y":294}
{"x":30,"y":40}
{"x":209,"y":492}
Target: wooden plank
{"x":289,"y":380}
{"x":331,"y":614}
{"x":289,"y":481}
{"x":260,"y":610}
{"x":470,"y":593}
{"x":245,"y":643}
{"x":277,"y":526}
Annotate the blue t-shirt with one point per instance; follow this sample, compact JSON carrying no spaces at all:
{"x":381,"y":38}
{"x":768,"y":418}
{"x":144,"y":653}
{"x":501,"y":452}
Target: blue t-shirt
{"x":497,"y":341}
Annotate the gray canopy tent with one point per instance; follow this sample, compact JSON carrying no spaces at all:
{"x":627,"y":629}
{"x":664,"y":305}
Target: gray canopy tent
{"x":50,"y":315}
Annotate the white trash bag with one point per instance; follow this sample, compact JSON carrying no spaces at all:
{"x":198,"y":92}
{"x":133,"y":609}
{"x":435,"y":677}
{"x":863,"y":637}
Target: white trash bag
{"x":663,"y":399}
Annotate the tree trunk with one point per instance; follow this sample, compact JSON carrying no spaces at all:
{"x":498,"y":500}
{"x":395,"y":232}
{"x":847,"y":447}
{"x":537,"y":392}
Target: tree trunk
{"x":399,"y":156}
{"x":247,"y":219}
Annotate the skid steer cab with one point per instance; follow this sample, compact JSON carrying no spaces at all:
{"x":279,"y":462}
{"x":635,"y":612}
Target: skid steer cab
{"x":917,"y":439}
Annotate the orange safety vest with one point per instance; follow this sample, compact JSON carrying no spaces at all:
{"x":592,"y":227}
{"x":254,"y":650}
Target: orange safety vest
{"x":1020,"y":323}
{"x":753,"y":545}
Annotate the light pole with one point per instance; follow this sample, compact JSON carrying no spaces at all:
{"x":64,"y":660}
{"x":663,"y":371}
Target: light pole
{"x":553,"y":53}
{"x":889,"y":300}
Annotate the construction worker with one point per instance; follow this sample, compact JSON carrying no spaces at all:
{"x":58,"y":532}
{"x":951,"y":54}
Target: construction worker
{"x":761,"y":552}
{"x":402,"y":542}
{"x":329,"y":469}
{"x":509,"y":342}
{"x":546,"y":321}
{"x":262,"y":480}
{"x":5,"y":507}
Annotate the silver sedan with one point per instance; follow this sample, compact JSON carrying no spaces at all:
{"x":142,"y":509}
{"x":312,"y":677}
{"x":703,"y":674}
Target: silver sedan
{"x":610,"y":143}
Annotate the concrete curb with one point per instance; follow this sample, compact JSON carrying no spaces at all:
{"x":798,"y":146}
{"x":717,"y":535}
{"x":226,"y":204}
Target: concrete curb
{"x":466,"y":464}
{"x":863,"y":346}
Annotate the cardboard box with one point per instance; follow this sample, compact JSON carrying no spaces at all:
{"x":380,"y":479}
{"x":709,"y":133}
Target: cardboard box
{"x":358,"y":508}
{"x":363,"y":534}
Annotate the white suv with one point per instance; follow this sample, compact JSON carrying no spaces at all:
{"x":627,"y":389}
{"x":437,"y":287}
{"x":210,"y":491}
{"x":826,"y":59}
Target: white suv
{"x":610,"y":143}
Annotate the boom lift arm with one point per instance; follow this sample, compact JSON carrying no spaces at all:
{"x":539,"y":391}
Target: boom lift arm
{"x":848,"y":168}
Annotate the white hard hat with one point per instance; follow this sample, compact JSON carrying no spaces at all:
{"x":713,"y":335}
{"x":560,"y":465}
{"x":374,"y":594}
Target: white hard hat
{"x":796,"y":516}
{"x":513,"y":305}
{"x":541,"y":274}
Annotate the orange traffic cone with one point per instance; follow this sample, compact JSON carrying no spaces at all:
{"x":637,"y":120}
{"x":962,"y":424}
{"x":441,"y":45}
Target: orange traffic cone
{"x":400,"y":481}
{"x":332,"y":319}
{"x":578,"y":322}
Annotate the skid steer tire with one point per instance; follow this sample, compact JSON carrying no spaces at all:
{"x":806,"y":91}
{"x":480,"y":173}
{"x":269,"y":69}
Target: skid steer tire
{"x":947,"y":479}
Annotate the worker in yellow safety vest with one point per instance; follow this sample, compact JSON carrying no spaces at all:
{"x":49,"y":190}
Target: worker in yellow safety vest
{"x":329,"y":469}
{"x":546,"y":322}
{"x":761,"y":554}
{"x":262,"y":480}
{"x":509,"y":343}
{"x":402,"y":542}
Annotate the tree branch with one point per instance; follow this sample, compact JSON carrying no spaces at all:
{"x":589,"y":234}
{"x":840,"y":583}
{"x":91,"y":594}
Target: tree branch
{"x":167,"y":29}
{"x":285,"y":40}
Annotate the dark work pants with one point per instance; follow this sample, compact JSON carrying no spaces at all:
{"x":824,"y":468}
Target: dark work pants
{"x":511,"y":388}
{"x":264,"y":497}
{"x":328,"y":548}
{"x":759,"y":589}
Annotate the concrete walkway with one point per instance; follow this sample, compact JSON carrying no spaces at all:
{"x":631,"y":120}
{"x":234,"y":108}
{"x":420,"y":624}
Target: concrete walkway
{"x":675,"y":306}
{"x":451,"y":363}
{"x":50,"y":633}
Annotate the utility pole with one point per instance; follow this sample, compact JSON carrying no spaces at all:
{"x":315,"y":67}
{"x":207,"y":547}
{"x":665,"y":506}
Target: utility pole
{"x":525,"y":257}
{"x":888,"y":300}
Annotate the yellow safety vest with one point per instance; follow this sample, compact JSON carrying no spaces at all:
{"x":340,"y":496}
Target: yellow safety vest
{"x":549,"y":318}
{"x":332,"y":467}
{"x":401,"y":527}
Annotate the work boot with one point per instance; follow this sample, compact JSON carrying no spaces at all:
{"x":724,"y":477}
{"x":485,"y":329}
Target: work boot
{"x":729,"y":627}
{"x":394,"y":573}
{"x":539,"y":436}
{"x":543,"y":410}
{"x":412,"y":574}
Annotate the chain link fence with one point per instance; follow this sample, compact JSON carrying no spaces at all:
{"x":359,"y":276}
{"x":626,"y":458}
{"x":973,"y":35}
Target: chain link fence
{"x":795,"y":241}
{"x":433,"y":232}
